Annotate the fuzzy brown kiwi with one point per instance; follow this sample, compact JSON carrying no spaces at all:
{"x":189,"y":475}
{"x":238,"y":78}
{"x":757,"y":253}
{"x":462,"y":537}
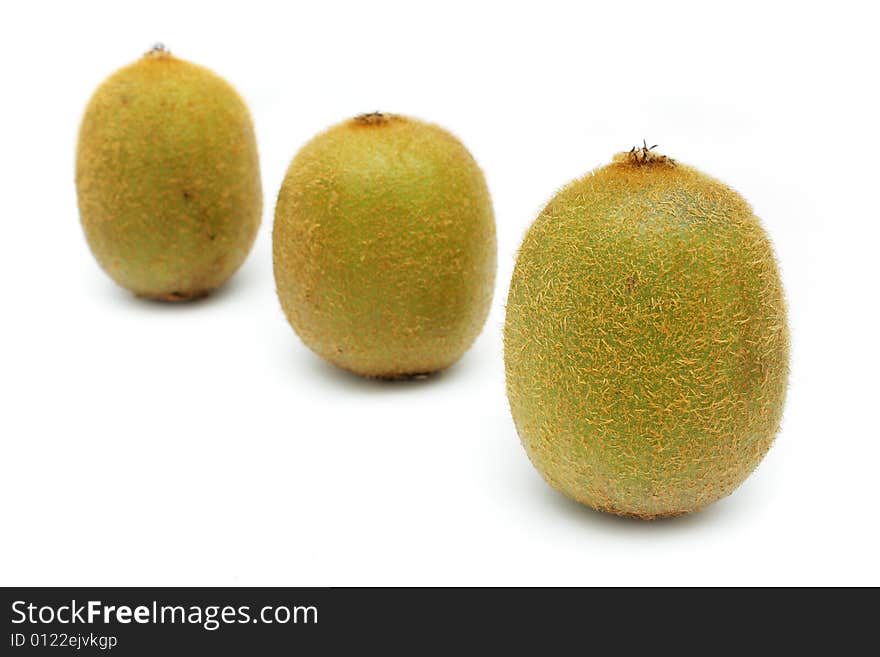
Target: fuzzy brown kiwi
{"x":168,"y":178}
{"x":646,"y":341}
{"x":384,"y":246}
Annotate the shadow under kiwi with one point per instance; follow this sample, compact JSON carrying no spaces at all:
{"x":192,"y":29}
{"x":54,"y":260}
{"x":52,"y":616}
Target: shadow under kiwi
{"x":330,"y":374}
{"x":240,"y":281}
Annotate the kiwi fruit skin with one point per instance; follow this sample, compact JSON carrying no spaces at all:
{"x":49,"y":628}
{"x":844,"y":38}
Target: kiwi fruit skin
{"x":168,"y":178}
{"x":384,"y":246}
{"x":646,"y":342}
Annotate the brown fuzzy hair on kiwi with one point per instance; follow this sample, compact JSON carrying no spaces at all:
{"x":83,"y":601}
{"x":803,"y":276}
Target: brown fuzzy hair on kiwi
{"x":646,"y":342}
{"x":168,"y":178}
{"x":384,"y":246}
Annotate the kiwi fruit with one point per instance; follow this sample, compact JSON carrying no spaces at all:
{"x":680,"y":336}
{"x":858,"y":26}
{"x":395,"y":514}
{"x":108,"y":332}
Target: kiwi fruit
{"x":168,"y":178}
{"x":646,"y":344}
{"x":384,"y":246}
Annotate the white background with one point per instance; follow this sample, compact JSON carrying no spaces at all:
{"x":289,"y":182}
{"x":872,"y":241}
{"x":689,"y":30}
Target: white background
{"x":203,"y":444}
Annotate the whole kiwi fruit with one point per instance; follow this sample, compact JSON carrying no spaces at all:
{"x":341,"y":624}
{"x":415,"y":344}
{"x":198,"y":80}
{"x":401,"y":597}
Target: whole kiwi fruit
{"x":646,"y":343}
{"x":384,"y":246}
{"x":168,"y":178}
